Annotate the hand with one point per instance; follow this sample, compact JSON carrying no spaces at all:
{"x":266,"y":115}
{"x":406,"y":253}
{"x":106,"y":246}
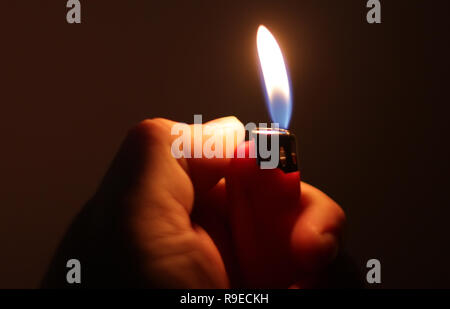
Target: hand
{"x":157,"y":221}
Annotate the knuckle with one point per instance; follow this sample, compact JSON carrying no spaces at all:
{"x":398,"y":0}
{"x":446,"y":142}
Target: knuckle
{"x":340,"y":216}
{"x":337,"y":214}
{"x":337,"y":220}
{"x":150,"y":130}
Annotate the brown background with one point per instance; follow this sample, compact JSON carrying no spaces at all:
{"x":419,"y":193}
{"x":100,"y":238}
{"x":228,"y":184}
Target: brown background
{"x":371,"y":112}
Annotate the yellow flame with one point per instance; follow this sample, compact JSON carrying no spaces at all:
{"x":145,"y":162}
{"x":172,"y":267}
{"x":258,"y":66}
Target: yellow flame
{"x":272,"y":65}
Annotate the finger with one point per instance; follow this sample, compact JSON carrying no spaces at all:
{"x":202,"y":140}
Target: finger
{"x":146,"y":158}
{"x":213,"y":201}
{"x":157,"y":191}
{"x":210,"y":212}
{"x":159,"y":187}
{"x":205,"y":150}
{"x":315,"y":236}
{"x":219,"y":139}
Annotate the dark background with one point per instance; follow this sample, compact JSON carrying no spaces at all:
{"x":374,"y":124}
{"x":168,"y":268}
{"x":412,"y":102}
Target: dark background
{"x":370,"y":110}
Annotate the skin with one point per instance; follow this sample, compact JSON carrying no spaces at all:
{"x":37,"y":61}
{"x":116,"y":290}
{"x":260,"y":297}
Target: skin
{"x":162,"y":222}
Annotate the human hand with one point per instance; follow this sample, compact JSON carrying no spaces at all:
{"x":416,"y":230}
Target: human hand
{"x":157,"y":221}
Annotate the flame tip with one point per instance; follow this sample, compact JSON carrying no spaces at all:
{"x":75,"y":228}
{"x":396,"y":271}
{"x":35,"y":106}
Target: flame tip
{"x":275,"y":77}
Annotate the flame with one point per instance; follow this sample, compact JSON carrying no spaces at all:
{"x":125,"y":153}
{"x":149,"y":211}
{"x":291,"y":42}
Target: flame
{"x":274,"y":73}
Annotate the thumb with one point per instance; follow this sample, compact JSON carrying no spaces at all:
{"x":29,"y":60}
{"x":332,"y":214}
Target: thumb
{"x":146,"y":175}
{"x":155,"y":194}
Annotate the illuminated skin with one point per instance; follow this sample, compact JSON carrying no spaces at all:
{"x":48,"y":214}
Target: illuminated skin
{"x":157,"y":221}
